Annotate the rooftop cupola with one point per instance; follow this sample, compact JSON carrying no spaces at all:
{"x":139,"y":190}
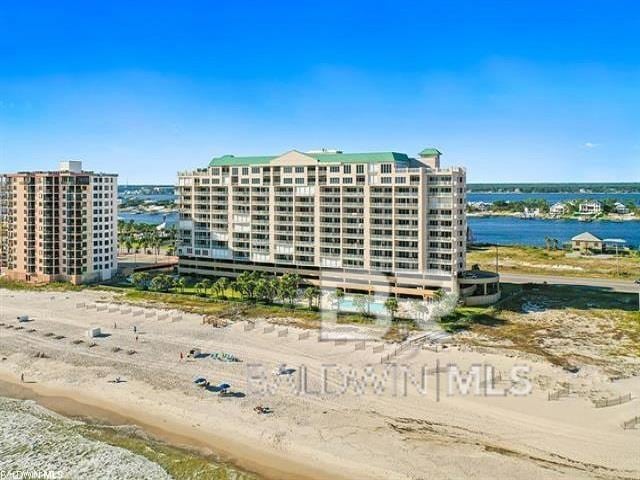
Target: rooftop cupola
{"x":430,"y":157}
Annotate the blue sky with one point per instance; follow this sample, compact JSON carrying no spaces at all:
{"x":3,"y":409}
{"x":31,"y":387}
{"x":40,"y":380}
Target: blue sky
{"x":514,"y":91}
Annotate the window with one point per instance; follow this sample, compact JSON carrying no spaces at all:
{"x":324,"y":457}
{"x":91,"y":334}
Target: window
{"x":386,"y":168}
{"x":255,"y":169}
{"x":401,"y":180}
{"x":334,"y":180}
{"x":299,"y":169}
{"x":334,"y":169}
{"x":299,"y":180}
{"x":234,"y":171}
{"x":287,"y":169}
{"x":346,"y":168}
{"x":359,"y":168}
{"x":245,"y":170}
{"x":287,"y":180}
{"x":385,"y":180}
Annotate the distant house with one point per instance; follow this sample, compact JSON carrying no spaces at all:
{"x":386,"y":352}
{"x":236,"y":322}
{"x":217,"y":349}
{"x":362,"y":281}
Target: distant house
{"x":480,"y":206}
{"x":591,"y":207}
{"x":586,"y":242}
{"x":620,"y":208}
{"x":558,"y":209}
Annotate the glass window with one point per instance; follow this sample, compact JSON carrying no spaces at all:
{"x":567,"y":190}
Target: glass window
{"x":359,"y":168}
{"x":287,"y":169}
{"x":346,"y":168}
{"x":245,"y":170}
{"x":299,"y":169}
{"x":334,"y":168}
{"x":386,"y":168}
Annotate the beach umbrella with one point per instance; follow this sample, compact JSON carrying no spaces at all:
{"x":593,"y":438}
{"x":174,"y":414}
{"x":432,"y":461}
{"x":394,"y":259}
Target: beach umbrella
{"x":224,"y":386}
{"x":199,"y":380}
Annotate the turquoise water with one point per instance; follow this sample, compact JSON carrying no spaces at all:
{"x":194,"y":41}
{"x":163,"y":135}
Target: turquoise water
{"x":376,"y":307}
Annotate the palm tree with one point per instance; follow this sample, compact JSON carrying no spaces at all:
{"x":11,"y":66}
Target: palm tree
{"x":206,"y":284}
{"x":391,"y":305}
{"x":181,"y":283}
{"x":339,"y":294}
{"x":439,"y":294}
{"x":310,"y":294}
{"x":233,"y":286}
{"x":128,"y":244}
{"x":221,"y":286}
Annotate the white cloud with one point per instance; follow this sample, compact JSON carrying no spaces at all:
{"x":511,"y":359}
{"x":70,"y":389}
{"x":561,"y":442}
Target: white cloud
{"x":591,"y":145}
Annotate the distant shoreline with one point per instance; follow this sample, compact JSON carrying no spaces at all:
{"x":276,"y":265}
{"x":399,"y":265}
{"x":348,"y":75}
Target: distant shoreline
{"x":517,"y":215}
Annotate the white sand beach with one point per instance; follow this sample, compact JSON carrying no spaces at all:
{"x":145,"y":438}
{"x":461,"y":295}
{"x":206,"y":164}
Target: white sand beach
{"x":315,"y":435}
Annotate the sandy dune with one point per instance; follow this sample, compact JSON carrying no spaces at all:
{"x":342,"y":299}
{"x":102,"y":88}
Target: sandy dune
{"x":317,"y":435}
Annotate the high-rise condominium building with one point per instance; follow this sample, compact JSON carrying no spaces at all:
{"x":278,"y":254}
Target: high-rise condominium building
{"x":61,"y":225}
{"x":365,"y":222}
{"x":4,"y":214}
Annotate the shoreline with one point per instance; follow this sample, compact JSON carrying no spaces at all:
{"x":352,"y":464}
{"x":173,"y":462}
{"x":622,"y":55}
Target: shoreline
{"x":264,"y":465}
{"x":360,"y":432}
{"x":517,"y":216}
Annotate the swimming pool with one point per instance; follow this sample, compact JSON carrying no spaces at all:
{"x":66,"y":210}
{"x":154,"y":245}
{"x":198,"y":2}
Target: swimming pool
{"x":376,"y":307}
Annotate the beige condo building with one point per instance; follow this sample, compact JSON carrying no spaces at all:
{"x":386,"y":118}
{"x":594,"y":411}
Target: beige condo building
{"x":61,"y":225}
{"x":365,"y":222}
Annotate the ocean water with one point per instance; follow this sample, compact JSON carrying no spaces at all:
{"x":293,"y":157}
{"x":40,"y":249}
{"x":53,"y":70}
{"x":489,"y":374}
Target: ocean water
{"x":517,"y":231}
{"x":33,"y":438}
{"x":552,"y":197}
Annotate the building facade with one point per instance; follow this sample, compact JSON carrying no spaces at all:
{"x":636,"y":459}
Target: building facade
{"x":365,"y":222}
{"x":61,"y":225}
{"x":4,"y":215}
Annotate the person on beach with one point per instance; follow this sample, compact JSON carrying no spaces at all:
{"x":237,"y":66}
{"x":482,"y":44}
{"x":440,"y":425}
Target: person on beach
{"x":22,"y":377}
{"x":115,"y":326}
{"x":181,"y":356}
{"x":136,"y":338}
{"x":134,"y":329}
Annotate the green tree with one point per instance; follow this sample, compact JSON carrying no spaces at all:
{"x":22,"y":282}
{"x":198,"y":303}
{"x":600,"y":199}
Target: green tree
{"x":339,"y":296}
{"x":288,"y":288}
{"x":439,"y":294}
{"x":206,"y":284}
{"x":140,"y":280}
{"x":311,"y":294}
{"x":391,"y":305}
{"x":363,"y":303}
{"x":221,"y":286}
{"x":161,"y":283}
{"x":181,"y":283}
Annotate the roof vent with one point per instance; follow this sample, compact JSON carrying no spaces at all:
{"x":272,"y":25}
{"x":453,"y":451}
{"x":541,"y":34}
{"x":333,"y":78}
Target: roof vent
{"x":324,"y":150}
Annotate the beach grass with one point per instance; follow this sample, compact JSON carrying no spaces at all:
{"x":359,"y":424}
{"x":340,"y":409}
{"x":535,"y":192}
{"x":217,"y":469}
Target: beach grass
{"x":556,"y":321}
{"x":53,"y":287}
{"x":179,"y":463}
{"x":540,"y":261}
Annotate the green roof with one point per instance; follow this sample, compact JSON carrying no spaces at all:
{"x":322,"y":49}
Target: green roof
{"x":373,"y":157}
{"x":429,"y":151}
